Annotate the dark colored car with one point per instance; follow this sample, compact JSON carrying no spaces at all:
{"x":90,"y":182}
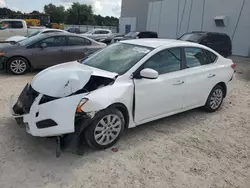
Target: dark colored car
{"x":136,"y":35}
{"x":109,"y":39}
{"x":44,"y":50}
{"x":74,"y":30}
{"x":219,"y":42}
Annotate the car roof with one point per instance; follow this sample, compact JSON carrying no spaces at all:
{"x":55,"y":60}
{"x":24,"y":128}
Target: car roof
{"x":100,"y":29}
{"x":48,"y":29}
{"x":206,"y":33}
{"x":156,"y":43}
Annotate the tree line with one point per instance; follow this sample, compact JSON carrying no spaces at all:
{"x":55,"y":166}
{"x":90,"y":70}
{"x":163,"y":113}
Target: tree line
{"x":77,"y":14}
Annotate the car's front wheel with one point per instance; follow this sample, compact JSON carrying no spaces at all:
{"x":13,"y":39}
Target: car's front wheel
{"x":18,"y":65}
{"x":215,"y":99}
{"x":105,"y":129}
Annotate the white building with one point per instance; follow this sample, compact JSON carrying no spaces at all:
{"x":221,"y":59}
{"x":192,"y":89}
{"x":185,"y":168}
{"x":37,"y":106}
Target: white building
{"x":172,"y":18}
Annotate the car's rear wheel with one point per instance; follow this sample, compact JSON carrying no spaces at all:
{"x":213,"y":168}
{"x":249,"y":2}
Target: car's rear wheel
{"x":18,"y":65}
{"x":105,"y":129}
{"x":215,"y":99}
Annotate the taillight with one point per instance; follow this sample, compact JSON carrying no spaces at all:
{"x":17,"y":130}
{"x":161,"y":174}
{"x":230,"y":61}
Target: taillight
{"x":233,"y":66}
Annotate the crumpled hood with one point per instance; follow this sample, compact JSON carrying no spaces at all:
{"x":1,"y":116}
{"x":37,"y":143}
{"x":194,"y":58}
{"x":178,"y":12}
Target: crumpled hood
{"x":65,"y":79}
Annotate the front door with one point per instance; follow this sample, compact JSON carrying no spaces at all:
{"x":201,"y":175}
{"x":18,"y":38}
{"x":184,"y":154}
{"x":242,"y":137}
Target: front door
{"x":54,"y":52}
{"x":164,"y":95}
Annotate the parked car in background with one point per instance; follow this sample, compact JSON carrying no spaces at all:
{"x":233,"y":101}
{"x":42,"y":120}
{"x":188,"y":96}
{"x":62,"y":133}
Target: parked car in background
{"x":98,"y":34}
{"x":219,"y":42}
{"x":74,"y":30}
{"x":14,"y":27}
{"x":109,"y":39}
{"x":122,"y":86}
{"x":136,"y":35}
{"x":43,"y":31}
{"x":45,"y":50}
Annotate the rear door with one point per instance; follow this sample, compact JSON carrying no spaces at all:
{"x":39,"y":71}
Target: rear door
{"x":200,"y":76}
{"x":54,"y":52}
{"x":78,"y":48}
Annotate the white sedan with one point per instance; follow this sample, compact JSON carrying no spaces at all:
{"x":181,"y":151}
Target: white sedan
{"x":43,"y":31}
{"x":122,"y":86}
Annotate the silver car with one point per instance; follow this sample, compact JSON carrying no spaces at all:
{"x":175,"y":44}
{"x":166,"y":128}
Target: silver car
{"x":42,"y":51}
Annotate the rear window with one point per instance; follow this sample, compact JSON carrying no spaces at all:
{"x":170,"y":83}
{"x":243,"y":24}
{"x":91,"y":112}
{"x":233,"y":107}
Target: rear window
{"x":192,"y":37}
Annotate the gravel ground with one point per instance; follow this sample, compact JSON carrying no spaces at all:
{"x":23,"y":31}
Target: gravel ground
{"x":192,"y":149}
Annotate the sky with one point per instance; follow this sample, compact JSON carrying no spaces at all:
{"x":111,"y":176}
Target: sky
{"x":103,"y":7}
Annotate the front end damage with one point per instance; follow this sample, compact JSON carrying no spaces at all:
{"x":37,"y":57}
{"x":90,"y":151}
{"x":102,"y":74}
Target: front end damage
{"x":49,"y":112}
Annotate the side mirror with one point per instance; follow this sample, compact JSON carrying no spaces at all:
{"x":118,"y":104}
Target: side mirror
{"x":149,"y":73}
{"x":43,"y":45}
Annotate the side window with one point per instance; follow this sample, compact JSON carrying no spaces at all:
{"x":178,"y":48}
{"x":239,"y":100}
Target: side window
{"x":52,"y":42}
{"x":211,"y":56}
{"x":5,"y":25}
{"x":97,"y":32}
{"x":16,"y":25}
{"x":195,"y":57}
{"x":104,"y":32}
{"x":78,"y":41}
{"x":165,"y":61}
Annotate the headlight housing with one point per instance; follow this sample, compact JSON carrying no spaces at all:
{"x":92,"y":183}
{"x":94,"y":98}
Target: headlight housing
{"x":2,"y":54}
{"x":81,"y":104}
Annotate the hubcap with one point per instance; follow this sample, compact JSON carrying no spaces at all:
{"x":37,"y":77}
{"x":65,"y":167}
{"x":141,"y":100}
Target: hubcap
{"x":107,"y":129}
{"x":216,"y":99}
{"x":18,"y":66}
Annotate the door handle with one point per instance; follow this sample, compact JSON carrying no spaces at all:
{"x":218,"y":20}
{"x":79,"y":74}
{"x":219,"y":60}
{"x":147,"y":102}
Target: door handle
{"x":211,"y":75}
{"x":179,"y":83}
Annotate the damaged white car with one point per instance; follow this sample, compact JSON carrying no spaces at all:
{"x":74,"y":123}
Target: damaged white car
{"x":124,"y":85}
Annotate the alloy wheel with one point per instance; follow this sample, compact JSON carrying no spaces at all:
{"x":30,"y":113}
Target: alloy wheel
{"x":108,"y":129}
{"x":216,"y":99}
{"x":18,"y":66}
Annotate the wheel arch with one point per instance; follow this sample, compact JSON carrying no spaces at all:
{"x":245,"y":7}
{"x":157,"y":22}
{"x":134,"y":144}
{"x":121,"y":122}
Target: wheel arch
{"x":224,"y":87}
{"x":123,"y":110}
{"x":16,"y":56}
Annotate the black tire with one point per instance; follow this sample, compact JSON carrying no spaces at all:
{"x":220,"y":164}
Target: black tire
{"x":211,"y":105}
{"x":91,"y":131}
{"x":24,"y":65}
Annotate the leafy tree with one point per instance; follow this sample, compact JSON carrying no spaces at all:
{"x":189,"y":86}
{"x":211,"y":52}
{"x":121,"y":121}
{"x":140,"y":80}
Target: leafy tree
{"x":57,"y":13}
{"x":80,"y":14}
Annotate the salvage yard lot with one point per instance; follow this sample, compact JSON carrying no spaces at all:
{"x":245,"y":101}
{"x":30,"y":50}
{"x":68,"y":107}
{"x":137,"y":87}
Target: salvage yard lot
{"x":192,"y":149}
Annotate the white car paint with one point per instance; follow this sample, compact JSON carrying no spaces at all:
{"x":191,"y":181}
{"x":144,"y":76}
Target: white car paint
{"x":169,"y":94}
{"x":19,"y":38}
{"x":22,"y":30}
{"x":98,"y":33}
{"x":15,"y":38}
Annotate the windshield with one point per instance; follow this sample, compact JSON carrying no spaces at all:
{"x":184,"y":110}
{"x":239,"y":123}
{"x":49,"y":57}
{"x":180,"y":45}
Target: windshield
{"x":29,"y":40}
{"x":118,"y":57}
{"x":90,"y":32}
{"x":33,"y":34}
{"x":132,"y":34}
{"x":193,"y":37}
